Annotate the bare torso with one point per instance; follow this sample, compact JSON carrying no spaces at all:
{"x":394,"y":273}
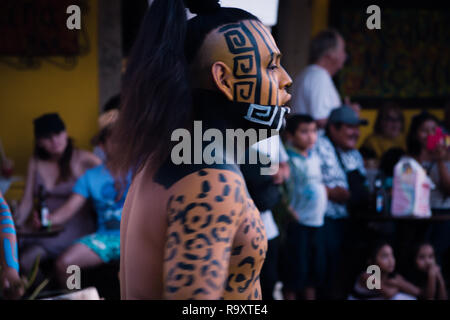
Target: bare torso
{"x":201,"y":237}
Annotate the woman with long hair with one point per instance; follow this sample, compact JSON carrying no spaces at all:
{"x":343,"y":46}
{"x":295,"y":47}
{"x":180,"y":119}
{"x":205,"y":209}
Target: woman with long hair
{"x":189,"y":229}
{"x":52,"y":172}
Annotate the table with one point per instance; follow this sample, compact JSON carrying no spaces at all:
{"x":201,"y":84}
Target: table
{"x":385,"y":218}
{"x":53,"y":231}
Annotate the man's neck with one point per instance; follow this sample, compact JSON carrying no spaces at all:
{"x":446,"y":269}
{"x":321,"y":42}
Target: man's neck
{"x":327,"y":66}
{"x":304,"y":152}
{"x":337,"y":146}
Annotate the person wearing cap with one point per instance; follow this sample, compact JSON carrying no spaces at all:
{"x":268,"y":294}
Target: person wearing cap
{"x":107,"y":193}
{"x":339,"y":155}
{"x":315,"y":93}
{"x":52,"y":170}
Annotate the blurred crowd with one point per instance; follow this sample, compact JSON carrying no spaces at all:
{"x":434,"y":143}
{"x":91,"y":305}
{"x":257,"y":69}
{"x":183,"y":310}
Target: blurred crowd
{"x":313,"y":208}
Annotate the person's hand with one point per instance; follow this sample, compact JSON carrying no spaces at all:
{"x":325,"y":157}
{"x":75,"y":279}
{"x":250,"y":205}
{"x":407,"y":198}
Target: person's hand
{"x":11,"y":284}
{"x":338,"y":194}
{"x":36,"y":221}
{"x":396,"y":281}
{"x":388,"y":290}
{"x":440,"y":153}
{"x":293,"y":213}
{"x":355,"y":106}
{"x":434,"y":270}
{"x":282,"y":173}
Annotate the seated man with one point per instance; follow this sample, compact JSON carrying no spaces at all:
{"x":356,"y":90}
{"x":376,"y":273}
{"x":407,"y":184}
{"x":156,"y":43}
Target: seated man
{"x":339,"y":160}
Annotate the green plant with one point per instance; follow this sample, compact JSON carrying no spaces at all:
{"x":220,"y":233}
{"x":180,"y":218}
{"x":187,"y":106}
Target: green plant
{"x":29,"y":281}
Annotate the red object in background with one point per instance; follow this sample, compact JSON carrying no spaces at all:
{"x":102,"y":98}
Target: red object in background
{"x":7,"y":172}
{"x":435,"y":139}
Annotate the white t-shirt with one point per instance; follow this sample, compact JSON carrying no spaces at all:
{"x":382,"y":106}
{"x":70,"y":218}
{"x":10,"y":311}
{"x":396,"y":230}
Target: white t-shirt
{"x":269,"y":224}
{"x":309,"y":198}
{"x":315,"y":93}
{"x":274,"y":149}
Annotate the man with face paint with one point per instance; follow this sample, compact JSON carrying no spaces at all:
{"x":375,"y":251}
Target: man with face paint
{"x":191,"y":231}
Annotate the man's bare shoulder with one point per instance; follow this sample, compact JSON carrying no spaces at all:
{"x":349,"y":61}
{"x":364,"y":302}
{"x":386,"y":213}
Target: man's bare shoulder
{"x":218,"y":185}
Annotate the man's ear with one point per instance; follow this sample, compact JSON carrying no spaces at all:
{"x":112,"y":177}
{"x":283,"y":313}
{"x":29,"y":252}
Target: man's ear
{"x":223,"y":76}
{"x":332,"y":129}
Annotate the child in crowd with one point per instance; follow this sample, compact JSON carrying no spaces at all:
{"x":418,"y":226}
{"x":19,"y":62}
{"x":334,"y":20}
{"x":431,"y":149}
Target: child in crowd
{"x":392,"y":285}
{"x":371,"y":164}
{"x":426,"y":273}
{"x":304,"y":244}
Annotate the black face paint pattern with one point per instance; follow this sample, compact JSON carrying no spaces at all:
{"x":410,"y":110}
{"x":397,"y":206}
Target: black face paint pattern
{"x":271,"y":51}
{"x":247,"y":68}
{"x":267,"y":116}
{"x":218,"y":255}
{"x":241,"y":42}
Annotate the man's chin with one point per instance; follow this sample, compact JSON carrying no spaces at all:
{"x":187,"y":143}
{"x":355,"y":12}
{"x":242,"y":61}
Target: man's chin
{"x":350,"y":146}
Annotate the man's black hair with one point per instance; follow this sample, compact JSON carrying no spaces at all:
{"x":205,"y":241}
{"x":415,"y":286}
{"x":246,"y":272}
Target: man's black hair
{"x":295,"y":120}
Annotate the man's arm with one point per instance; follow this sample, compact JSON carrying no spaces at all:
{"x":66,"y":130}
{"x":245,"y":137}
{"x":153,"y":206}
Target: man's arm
{"x":200,"y":235}
{"x":338,"y":194}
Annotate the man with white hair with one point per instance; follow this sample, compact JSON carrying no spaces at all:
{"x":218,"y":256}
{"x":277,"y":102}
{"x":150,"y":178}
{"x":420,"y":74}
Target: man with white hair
{"x":315,"y":93}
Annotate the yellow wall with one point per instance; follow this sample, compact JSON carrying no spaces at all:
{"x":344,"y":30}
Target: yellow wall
{"x":320,"y":9}
{"x":24,"y":95}
{"x":319,"y":12}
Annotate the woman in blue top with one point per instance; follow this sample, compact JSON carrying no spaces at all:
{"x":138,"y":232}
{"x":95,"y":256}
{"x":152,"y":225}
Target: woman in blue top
{"x":108,"y":196}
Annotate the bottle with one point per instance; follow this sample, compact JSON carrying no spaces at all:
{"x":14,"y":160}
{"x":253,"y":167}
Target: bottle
{"x":379,"y":196}
{"x":388,"y":195}
{"x":42,"y":208}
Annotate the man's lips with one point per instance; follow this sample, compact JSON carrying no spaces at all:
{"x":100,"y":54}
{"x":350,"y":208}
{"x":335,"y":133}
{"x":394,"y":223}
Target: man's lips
{"x":288,"y":109}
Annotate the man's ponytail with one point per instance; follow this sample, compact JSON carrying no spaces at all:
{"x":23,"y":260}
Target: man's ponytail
{"x":155,"y":90}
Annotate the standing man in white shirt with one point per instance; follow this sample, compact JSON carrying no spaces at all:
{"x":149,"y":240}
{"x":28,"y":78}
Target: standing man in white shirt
{"x":315,"y":93}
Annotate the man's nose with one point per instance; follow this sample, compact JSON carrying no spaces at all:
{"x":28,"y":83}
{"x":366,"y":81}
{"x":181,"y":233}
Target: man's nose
{"x":285,"y":81}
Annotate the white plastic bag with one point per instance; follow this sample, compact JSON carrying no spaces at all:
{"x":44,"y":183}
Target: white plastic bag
{"x":411,"y":189}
